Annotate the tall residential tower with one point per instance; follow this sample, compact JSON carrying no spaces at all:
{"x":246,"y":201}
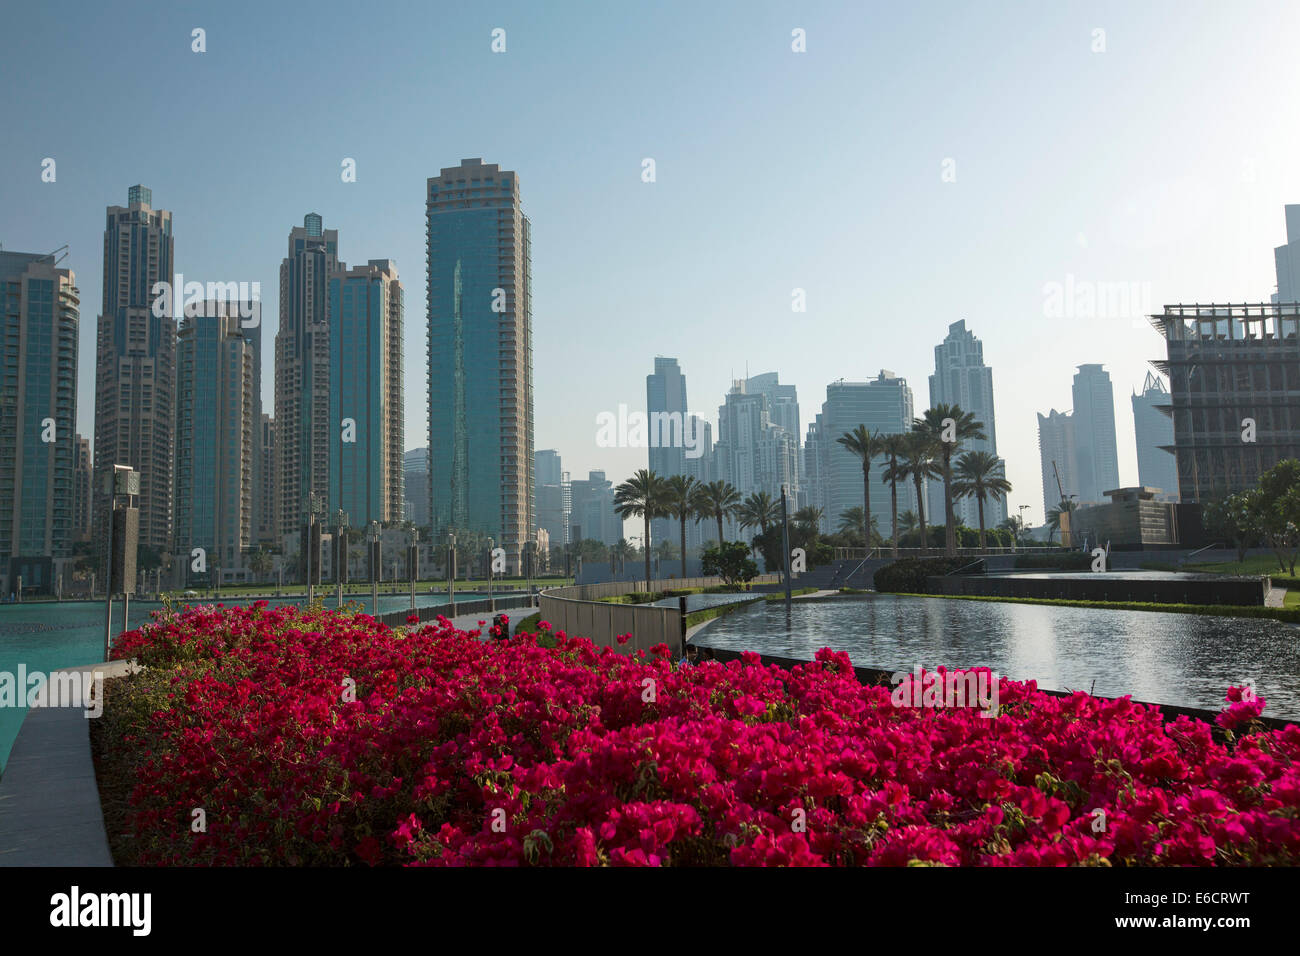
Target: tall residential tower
{"x":480,"y":356}
{"x":135,"y":369}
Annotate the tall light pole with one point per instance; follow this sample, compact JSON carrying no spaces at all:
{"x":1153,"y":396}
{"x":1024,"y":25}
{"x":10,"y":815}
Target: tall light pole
{"x":451,"y":572}
{"x":413,"y":562}
{"x":492,"y":603}
{"x":1021,"y":530}
{"x":340,"y":553}
{"x":376,"y":566}
{"x":785,"y":547}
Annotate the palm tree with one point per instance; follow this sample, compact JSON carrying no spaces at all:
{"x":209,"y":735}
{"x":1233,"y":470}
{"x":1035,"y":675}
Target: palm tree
{"x":1015,"y":524}
{"x":866,"y":446}
{"x":851,"y":520}
{"x":979,"y":476}
{"x":619,"y":553}
{"x":964,"y":427}
{"x":1054,"y":516}
{"x":758,"y":511}
{"x":918,"y":463}
{"x":893,"y":447}
{"x":809,"y":518}
{"x":718,"y":499}
{"x":680,"y":502}
{"x":641,"y":496}
{"x":907,"y":522}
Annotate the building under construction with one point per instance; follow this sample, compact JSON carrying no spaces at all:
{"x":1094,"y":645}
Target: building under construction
{"x":1234,"y":392}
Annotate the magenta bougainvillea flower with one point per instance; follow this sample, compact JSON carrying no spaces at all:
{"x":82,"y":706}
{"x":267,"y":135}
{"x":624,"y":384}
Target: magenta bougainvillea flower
{"x":453,"y":751}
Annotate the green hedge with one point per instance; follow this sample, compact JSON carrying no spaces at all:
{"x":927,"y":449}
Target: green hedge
{"x":911,"y":574}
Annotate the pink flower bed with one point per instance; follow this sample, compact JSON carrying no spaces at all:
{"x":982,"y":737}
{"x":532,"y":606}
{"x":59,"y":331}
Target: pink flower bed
{"x":457,"y":751}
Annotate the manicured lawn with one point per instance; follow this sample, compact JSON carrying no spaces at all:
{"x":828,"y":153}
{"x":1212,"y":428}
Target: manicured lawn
{"x":1254,"y":564}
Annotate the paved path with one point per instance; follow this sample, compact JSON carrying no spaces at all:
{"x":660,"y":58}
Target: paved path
{"x":469,"y":622}
{"x":49,"y":800}
{"x":1276,"y":597}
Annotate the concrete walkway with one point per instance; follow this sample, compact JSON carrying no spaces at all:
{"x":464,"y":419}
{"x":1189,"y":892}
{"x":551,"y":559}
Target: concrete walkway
{"x":1276,"y":597}
{"x":49,"y":799}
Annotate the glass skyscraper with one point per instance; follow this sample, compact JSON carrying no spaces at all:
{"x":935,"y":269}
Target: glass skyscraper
{"x":1095,"y":453}
{"x":367,"y":472}
{"x":883,"y":405}
{"x":217,"y":420}
{"x":480,"y":356}
{"x":39,"y":318}
{"x":1153,"y":427}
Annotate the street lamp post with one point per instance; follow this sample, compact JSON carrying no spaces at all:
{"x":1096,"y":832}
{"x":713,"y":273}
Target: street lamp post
{"x":413,"y":562}
{"x":451,"y":572}
{"x":340,"y":553}
{"x":491,"y":600}
{"x":376,"y":566}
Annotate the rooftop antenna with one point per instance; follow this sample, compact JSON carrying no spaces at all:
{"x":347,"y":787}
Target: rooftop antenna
{"x":63,"y":249}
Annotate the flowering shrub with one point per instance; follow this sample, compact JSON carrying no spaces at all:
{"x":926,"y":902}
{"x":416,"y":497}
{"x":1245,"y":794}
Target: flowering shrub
{"x":451,"y":750}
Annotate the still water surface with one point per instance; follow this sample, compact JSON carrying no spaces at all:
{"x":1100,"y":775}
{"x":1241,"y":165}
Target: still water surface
{"x":1182,"y":659}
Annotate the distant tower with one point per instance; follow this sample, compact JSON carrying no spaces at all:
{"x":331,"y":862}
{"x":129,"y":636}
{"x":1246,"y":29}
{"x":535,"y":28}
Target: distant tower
{"x":961,"y":378}
{"x":135,"y":369}
{"x":1096,"y":455}
{"x":1153,"y":425}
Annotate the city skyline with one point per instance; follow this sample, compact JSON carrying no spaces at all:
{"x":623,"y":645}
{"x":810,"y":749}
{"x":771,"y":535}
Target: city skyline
{"x":614,"y":253}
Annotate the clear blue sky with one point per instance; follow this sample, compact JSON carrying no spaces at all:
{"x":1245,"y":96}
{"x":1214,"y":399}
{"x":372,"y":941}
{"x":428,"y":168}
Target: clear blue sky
{"x":1165,"y":160}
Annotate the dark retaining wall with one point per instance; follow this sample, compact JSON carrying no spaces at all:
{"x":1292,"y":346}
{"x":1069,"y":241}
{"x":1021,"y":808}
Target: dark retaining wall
{"x":1086,"y":586}
{"x":874,"y":675}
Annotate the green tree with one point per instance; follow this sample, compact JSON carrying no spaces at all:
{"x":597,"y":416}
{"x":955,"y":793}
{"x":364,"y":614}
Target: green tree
{"x":948,"y":426}
{"x":681,"y":501}
{"x":1054,"y":516}
{"x":758,"y":511}
{"x":1234,"y":518}
{"x":979,"y":476}
{"x":894,"y":447}
{"x":1276,"y":503}
{"x":642,"y":496}
{"x":866,"y":445}
{"x":731,"y":562}
{"x":718,"y":499}
{"x":809,"y":518}
{"x":918,"y":463}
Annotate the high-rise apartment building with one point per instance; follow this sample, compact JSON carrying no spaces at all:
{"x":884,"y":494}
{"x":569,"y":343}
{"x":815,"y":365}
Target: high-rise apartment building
{"x":552,"y":515}
{"x":753,"y":453}
{"x":1057,"y":458}
{"x":1153,"y":428}
{"x":264,"y":497}
{"x":81,"y":490}
{"x":480,"y":356}
{"x":592,"y":514}
{"x":302,"y":373}
{"x":667,"y":413}
{"x":1234,"y":392}
{"x":1286,"y":259}
{"x":366,"y":472}
{"x":961,"y":378}
{"x":135,"y":369}
{"x":217,"y":420}
{"x":1095,"y":450}
{"x":883,"y":405}
{"x":39,"y":318}
{"x":417,"y":486}
{"x":782,"y":410}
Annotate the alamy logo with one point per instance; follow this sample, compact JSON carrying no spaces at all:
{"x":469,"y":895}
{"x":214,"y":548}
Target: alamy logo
{"x":945,"y":688}
{"x":84,"y":689}
{"x":216,"y":299}
{"x":657,"y":430}
{"x":74,"y":909}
